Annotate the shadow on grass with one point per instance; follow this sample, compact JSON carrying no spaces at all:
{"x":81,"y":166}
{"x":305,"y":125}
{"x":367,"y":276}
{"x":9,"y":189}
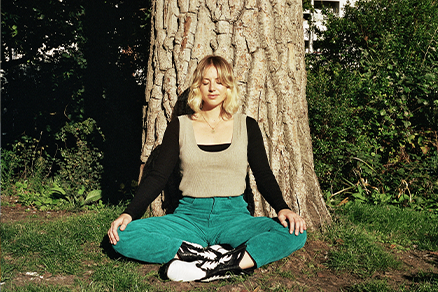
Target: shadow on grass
{"x":424,"y":277}
{"x":108,"y":250}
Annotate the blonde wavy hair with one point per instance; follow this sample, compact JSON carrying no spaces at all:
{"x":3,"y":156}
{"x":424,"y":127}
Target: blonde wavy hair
{"x":225,"y":76}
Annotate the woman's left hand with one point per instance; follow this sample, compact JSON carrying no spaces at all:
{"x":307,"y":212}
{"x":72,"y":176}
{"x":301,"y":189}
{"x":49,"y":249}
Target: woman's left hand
{"x":295,"y":221}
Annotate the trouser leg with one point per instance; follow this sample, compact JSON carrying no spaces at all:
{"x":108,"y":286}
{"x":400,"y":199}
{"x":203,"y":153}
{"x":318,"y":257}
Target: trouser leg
{"x":208,"y":222}
{"x":273,"y":243}
{"x":265,"y":238}
{"x":157,"y":239}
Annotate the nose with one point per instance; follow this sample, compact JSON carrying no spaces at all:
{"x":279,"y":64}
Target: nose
{"x":212,"y":86}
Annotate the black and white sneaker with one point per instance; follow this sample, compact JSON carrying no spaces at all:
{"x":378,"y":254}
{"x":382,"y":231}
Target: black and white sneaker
{"x":190,"y":252}
{"x":181,"y":271}
{"x":226,"y":266}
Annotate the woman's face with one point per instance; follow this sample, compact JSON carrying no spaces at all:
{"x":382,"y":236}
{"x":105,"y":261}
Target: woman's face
{"x":213,"y":92}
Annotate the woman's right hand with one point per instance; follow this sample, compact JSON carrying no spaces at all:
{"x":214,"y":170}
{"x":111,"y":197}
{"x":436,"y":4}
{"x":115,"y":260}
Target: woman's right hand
{"x":122,"y":221}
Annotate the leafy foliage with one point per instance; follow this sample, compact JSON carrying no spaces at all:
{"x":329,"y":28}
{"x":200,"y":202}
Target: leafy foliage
{"x":49,"y":54}
{"x":373,"y":103}
{"x":48,"y":182}
{"x":79,"y":165}
{"x":27,"y":159}
{"x":42,"y":62}
{"x":64,"y":64}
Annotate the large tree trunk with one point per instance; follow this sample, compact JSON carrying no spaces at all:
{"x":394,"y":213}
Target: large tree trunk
{"x":264,"y":42}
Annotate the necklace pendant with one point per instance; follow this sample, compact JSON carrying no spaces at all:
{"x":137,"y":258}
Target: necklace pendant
{"x":212,"y":129}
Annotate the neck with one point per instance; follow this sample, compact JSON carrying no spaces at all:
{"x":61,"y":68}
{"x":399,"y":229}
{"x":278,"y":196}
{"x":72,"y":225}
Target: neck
{"x":212,"y":114}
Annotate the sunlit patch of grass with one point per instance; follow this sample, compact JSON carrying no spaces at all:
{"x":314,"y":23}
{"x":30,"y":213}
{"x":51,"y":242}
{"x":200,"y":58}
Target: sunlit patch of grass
{"x":120,"y":277}
{"x":36,"y":288}
{"x":406,"y":227}
{"x":357,"y":251}
{"x":55,"y":247}
{"x":75,"y":247}
{"x":371,"y":286}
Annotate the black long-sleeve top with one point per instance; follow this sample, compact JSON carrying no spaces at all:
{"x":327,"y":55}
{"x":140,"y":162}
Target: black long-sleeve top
{"x":152,"y":185}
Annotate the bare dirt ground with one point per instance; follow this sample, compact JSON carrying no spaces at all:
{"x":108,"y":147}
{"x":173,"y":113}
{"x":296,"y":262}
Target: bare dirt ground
{"x":305,"y":270}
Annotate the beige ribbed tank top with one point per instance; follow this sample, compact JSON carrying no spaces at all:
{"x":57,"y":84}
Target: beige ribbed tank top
{"x":213,"y":174}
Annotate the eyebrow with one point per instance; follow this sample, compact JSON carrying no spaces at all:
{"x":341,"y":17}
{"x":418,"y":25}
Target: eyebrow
{"x":205,"y":78}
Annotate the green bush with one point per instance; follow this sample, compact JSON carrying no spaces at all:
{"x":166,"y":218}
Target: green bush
{"x":72,"y":176}
{"x":373,"y":103}
{"x":80,"y":169}
{"x":28,"y":162}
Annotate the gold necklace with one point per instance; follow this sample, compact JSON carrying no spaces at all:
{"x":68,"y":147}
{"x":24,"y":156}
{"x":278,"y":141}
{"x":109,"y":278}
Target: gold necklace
{"x":212,"y":128}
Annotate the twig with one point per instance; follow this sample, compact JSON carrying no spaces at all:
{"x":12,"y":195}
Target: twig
{"x":428,"y":47}
{"x":341,"y":191}
{"x":364,"y":162}
{"x":65,"y":112}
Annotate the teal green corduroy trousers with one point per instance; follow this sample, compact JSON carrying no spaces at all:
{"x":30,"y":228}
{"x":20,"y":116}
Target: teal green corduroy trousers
{"x":208,"y":221}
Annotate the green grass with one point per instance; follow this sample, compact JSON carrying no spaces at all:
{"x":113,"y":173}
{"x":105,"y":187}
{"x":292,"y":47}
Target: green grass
{"x":405,"y":227}
{"x":75,"y":246}
{"x":58,"y":246}
{"x":361,"y":234}
{"x":35,"y":288}
{"x":382,"y":286}
{"x":358,"y":253}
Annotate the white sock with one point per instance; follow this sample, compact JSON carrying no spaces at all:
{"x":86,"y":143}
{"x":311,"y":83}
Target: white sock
{"x":181,"y":271}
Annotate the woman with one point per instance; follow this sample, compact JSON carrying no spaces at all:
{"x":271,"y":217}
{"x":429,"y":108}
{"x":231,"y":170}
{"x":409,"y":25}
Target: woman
{"x":215,"y":146}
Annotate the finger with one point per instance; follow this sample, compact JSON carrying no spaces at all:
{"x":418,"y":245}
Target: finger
{"x":113,"y":230}
{"x":291,"y":224}
{"x":116,"y":236}
{"x":293,"y":227}
{"x":282,"y":220}
{"x":123,"y":226}
{"x":297,"y":226}
{"x":284,"y":223}
{"x":111,"y":237}
{"x":302,"y":226}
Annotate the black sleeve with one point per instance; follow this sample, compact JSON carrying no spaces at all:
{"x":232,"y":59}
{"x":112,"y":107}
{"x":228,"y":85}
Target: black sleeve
{"x":258,"y":161}
{"x":155,"y":181}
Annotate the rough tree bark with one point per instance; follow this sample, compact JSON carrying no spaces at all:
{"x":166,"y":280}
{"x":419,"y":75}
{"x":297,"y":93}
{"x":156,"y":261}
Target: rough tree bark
{"x":264,"y":41}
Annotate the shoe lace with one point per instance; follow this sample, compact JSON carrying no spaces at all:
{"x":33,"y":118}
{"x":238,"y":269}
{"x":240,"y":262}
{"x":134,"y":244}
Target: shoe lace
{"x":204,"y":253}
{"x":211,"y":265}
